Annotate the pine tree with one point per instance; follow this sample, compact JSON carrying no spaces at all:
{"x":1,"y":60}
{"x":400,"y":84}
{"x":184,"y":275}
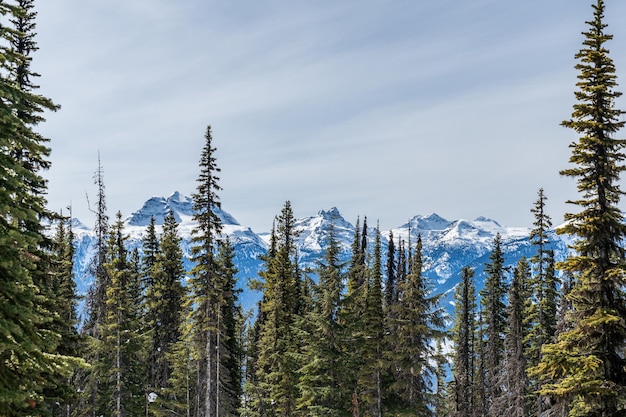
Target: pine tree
{"x":417,"y":327}
{"x":62,"y":395}
{"x":229,"y":344}
{"x":352,"y":313}
{"x":322,"y":383}
{"x":123,"y":342}
{"x":513,"y":400}
{"x":390,"y":284}
{"x":163,"y":261}
{"x":369,"y":388}
{"x":463,"y":338}
{"x":275,"y":391}
{"x":588,"y":361}
{"x":97,"y":292}
{"x":206,"y":291}
{"x":28,"y":349}
{"x":90,"y":403}
{"x":540,"y":306}
{"x":494,"y":311}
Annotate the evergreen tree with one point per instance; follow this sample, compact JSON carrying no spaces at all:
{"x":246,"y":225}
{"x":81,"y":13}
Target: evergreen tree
{"x":151,"y":250}
{"x":95,"y":304}
{"x":540,"y":306}
{"x":463,"y":338}
{"x":352,"y":313}
{"x":179,"y":396}
{"x":209,"y":295}
{"x":322,"y":383}
{"x":97,"y":292}
{"x":370,"y":373}
{"x":275,"y":391}
{"x":495,"y":320}
{"x":228,"y":345}
{"x":588,"y":362}
{"x":164,"y":297}
{"x":62,"y":394}
{"x":513,"y":400}
{"x":123,"y":343}
{"x":28,"y":349}
{"x":391,"y":273}
{"x":418,"y":323}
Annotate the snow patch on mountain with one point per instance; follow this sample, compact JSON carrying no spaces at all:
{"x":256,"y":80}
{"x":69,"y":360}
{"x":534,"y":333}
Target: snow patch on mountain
{"x":448,"y":246}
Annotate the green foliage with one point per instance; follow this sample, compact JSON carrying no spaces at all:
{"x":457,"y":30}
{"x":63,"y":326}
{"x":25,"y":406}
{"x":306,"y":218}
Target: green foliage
{"x":29,"y":342}
{"x":586,"y":365}
{"x":416,"y":328}
{"x":123,"y":343}
{"x":275,"y":389}
{"x":463,"y":333}
{"x":321,"y":383}
{"x":495,"y":321}
{"x":164,"y":272}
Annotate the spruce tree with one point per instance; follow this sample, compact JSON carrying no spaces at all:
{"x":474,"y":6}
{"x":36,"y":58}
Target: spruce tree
{"x":28,"y":349}
{"x":513,"y":400}
{"x":417,"y":327}
{"x":95,"y":304}
{"x":275,"y":391}
{"x":390,"y":283}
{"x":587,"y":362}
{"x":163,"y":261}
{"x":494,"y":316}
{"x":228,"y":344}
{"x":322,"y":383}
{"x":352,"y":312}
{"x":463,"y":337}
{"x":208,"y":295}
{"x":122,"y":348}
{"x":540,"y":305}
{"x":369,"y":384}
{"x":62,"y":394}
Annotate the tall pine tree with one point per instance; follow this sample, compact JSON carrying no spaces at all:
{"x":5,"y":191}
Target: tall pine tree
{"x":494,"y":316}
{"x":463,"y":338}
{"x":588,"y":361}
{"x":28,"y":349}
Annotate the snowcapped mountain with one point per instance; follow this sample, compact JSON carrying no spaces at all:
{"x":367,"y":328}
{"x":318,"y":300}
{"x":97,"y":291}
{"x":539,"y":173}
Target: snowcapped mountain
{"x":448,"y":246}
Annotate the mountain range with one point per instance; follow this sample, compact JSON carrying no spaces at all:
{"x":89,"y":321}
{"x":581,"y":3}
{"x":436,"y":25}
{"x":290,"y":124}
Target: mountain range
{"x":448,"y":245}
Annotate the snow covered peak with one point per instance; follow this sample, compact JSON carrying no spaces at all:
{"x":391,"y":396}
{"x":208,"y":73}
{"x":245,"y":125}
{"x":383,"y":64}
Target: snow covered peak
{"x":180,"y":205}
{"x":427,"y":223}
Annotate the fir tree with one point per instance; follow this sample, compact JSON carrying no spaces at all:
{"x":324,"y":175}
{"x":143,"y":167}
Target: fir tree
{"x":322,"y":383}
{"x":89,"y":382}
{"x":540,"y":306}
{"x":513,"y":400}
{"x":62,"y":396}
{"x":275,"y":391}
{"x":369,"y":388}
{"x":208,"y":295}
{"x":352,"y":312}
{"x":164,"y":297}
{"x":587,"y":362}
{"x":494,"y":311}
{"x":391,"y":273}
{"x":418,"y":323}
{"x":228,"y":344}
{"x":28,"y":349}
{"x":123,"y":342}
{"x":462,"y":334}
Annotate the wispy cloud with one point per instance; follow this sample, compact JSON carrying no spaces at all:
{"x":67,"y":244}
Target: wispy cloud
{"x":384,"y":109}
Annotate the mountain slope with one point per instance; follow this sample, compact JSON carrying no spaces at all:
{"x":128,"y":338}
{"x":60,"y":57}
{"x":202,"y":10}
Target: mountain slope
{"x":448,"y":246}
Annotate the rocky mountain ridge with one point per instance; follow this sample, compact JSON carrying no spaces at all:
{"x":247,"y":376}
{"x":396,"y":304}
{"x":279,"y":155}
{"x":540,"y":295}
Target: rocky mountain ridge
{"x":448,"y":246}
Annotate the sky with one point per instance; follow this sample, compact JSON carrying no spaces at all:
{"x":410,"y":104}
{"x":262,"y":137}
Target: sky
{"x":384,"y":109}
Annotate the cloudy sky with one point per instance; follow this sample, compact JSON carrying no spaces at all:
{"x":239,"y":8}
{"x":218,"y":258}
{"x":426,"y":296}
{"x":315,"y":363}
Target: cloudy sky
{"x":384,"y":109}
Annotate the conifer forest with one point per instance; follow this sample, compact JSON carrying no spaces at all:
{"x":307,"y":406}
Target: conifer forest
{"x":366,"y":338}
